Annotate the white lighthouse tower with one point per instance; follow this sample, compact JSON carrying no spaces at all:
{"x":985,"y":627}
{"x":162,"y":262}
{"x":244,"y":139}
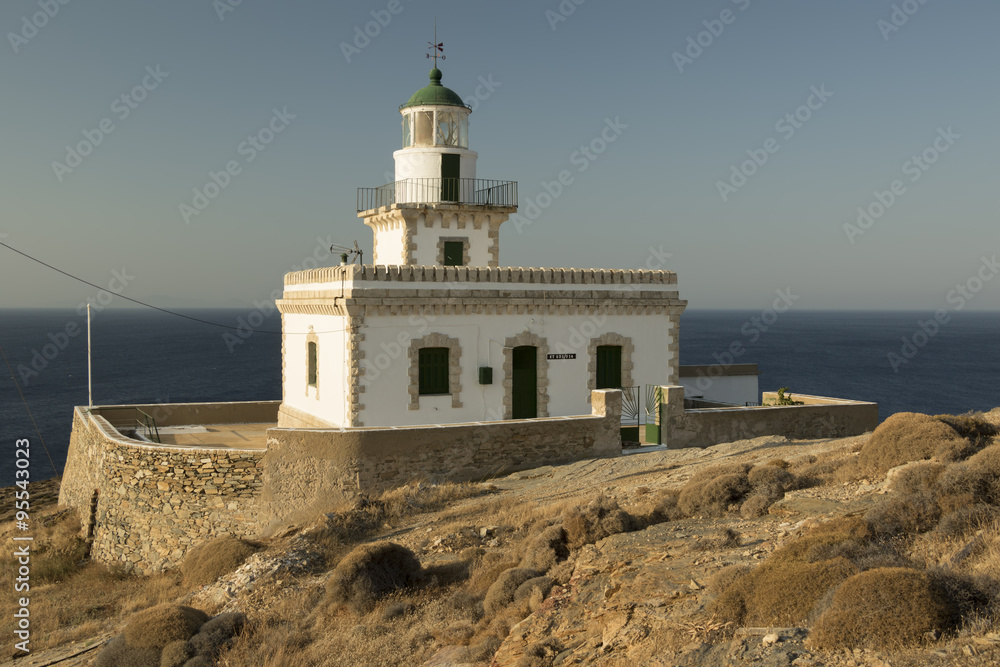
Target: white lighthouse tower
{"x":437,"y":213}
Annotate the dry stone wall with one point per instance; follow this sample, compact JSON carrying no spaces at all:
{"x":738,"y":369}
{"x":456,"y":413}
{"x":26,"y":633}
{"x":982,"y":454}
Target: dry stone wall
{"x":156,"y":502}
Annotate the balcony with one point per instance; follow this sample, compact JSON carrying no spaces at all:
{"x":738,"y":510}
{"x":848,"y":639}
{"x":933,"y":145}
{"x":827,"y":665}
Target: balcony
{"x":464,"y":191}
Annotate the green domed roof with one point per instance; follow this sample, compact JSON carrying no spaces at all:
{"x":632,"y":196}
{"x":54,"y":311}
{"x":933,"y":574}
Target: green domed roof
{"x":435,"y":93}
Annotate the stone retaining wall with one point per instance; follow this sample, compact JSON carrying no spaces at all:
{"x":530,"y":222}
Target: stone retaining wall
{"x":153,"y":501}
{"x":330,"y":465}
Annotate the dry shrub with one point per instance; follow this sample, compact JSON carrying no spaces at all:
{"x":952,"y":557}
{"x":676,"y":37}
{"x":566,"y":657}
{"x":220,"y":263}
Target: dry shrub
{"x":977,"y":479}
{"x":886,"y":608}
{"x":904,"y":513}
{"x":158,"y":626}
{"x":540,"y":585}
{"x":457,"y":634}
{"x":916,"y":477}
{"x":726,"y":577}
{"x":217,"y":632}
{"x":486,"y":571}
{"x":545,"y":550}
{"x":117,"y":653}
{"x":965,"y":520}
{"x":176,"y":653}
{"x":210,"y":560}
{"x":817,"y":543}
{"x":713,"y":491}
{"x":781,"y":593}
{"x":662,"y":508}
{"x":370,"y":572}
{"x":909,"y":436}
{"x":501,"y":593}
{"x":787,"y":586}
{"x":975,"y":427}
{"x":829,"y":467}
{"x":600,"y":518}
{"x":756,"y":505}
{"x":771,"y":477}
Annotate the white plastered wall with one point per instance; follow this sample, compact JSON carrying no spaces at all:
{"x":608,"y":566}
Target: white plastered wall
{"x":386,"y":362}
{"x":390,"y":245}
{"x":328,"y":400}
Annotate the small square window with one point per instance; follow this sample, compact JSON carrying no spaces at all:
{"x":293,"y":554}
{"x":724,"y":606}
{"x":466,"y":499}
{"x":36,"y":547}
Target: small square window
{"x":454,"y":253}
{"x":433,"y":370}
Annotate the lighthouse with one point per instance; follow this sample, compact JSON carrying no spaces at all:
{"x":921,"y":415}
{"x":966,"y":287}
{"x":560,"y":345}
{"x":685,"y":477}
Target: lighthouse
{"x":436,"y":331}
{"x":437,"y":212}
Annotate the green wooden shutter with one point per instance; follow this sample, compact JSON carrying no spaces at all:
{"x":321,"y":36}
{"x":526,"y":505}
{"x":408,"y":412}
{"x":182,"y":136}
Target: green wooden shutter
{"x":609,"y":366}
{"x":433,"y":370}
{"x":454,"y":253}
{"x":451,"y":171}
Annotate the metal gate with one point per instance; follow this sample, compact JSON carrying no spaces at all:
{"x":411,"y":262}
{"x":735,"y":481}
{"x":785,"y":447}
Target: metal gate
{"x":640,"y":414}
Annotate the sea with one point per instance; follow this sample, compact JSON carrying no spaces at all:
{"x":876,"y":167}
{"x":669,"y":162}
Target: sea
{"x":904,"y":361}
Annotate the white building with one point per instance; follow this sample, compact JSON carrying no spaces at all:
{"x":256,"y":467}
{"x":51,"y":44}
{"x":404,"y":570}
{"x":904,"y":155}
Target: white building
{"x":435,"y":331}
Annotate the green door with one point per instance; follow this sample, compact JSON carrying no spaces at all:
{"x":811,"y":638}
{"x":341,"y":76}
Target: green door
{"x":524,"y":392}
{"x":609,"y":367}
{"x":451,"y":170}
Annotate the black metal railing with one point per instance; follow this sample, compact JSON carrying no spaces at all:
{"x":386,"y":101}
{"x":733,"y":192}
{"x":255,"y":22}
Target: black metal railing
{"x":474,"y":191}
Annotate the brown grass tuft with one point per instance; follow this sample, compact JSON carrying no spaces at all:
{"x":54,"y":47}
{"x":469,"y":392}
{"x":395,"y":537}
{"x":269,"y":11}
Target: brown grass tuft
{"x":158,"y":626}
{"x":904,"y":513}
{"x":715,"y":496}
{"x":372,"y":571}
{"x":176,"y":653}
{"x":117,"y":653}
{"x":600,"y":518}
{"x":909,"y":436}
{"x":210,"y":560}
{"x":545,"y":550}
{"x":886,"y":608}
{"x":501,"y":593}
{"x":780,"y":593}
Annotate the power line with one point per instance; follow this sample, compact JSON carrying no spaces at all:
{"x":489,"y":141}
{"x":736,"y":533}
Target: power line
{"x":141,"y":303}
{"x":163,"y":310}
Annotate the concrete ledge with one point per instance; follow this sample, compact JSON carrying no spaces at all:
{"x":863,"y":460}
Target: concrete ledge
{"x":181,"y":414}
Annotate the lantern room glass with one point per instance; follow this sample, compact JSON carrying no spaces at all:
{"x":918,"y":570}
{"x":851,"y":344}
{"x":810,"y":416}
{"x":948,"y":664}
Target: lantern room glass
{"x":436,"y":128}
{"x":423,"y":128}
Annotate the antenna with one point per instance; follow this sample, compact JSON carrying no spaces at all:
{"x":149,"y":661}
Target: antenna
{"x":349,"y":254}
{"x":436,"y":47}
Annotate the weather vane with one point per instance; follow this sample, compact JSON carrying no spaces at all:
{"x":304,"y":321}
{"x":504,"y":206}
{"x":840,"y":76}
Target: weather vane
{"x":436,"y":47}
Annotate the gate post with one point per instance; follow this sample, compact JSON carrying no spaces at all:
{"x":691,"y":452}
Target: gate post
{"x":670,"y":411}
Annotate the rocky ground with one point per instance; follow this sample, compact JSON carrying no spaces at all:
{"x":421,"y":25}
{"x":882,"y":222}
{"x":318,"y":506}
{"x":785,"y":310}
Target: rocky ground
{"x":635,"y":598}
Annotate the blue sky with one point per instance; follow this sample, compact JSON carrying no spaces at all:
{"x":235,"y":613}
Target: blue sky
{"x":887,"y":82}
